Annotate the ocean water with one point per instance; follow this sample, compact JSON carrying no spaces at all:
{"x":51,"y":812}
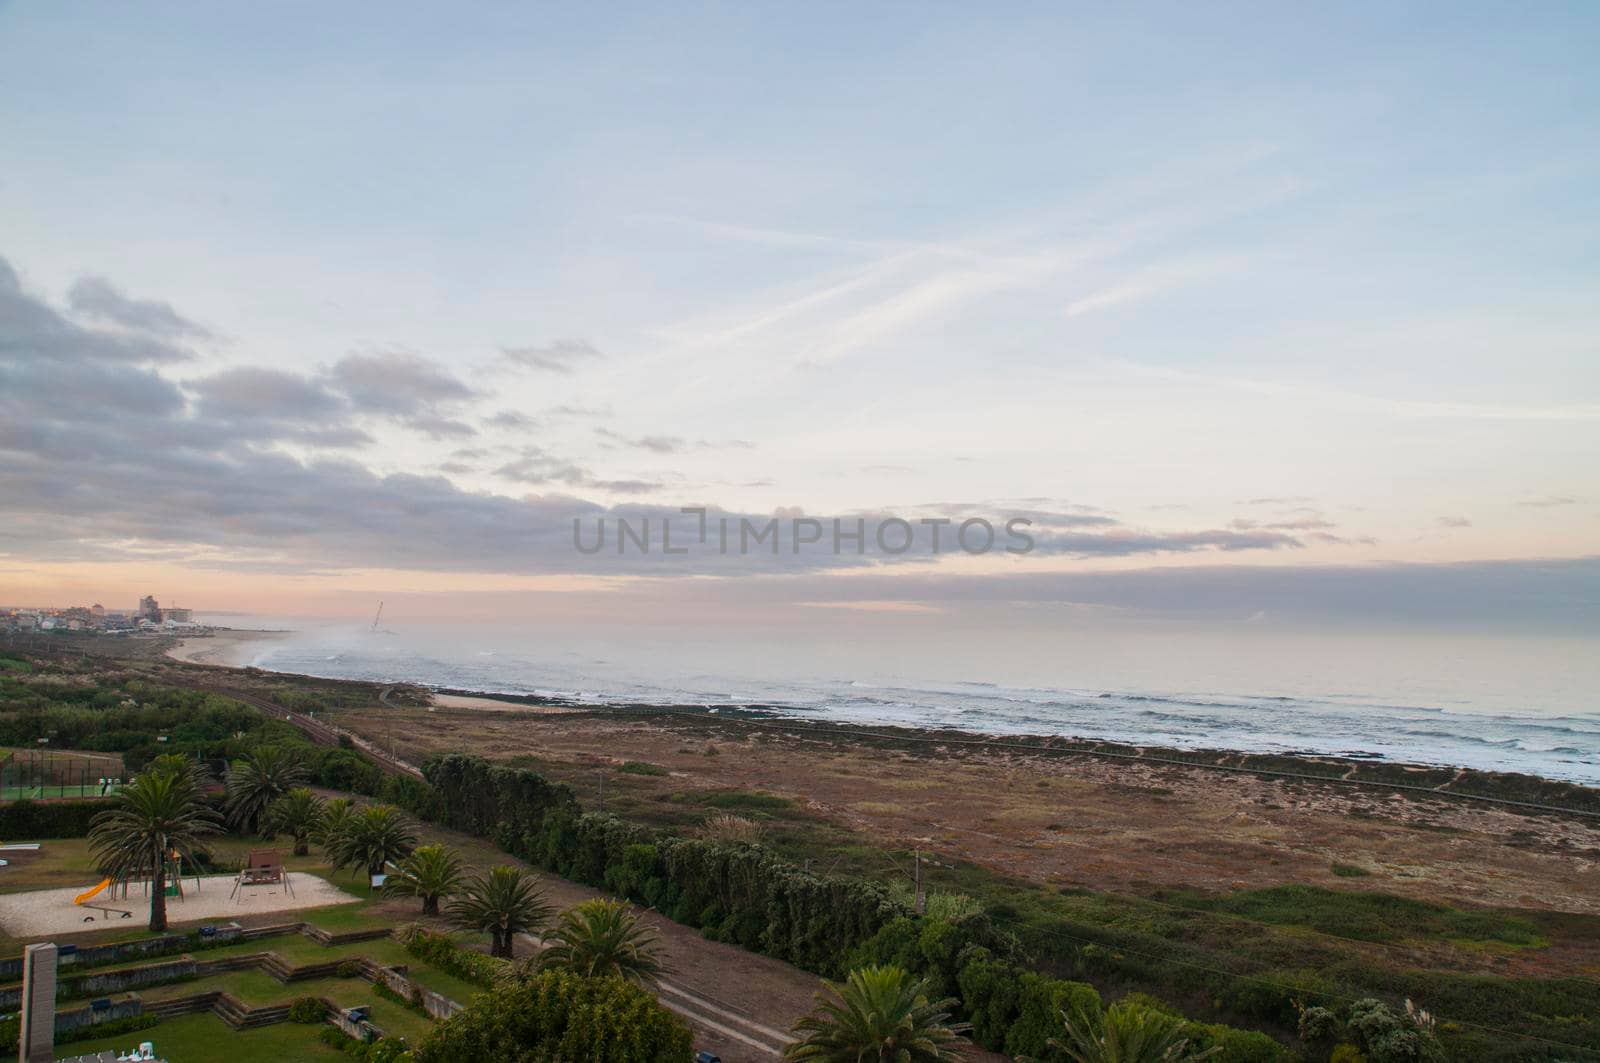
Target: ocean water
{"x":1495,"y":704}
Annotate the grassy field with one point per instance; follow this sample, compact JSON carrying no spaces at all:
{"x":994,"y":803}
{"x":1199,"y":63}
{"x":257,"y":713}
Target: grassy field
{"x":196,"y":1037}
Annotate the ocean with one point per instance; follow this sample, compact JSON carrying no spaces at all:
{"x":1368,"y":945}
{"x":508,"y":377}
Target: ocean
{"x":1523,"y":705}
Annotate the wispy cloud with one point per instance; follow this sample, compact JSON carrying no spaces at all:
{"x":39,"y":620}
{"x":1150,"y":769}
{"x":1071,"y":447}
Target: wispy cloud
{"x":562,"y":356}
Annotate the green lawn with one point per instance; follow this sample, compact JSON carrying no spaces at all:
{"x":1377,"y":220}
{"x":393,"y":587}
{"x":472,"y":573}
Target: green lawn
{"x":258,"y":989}
{"x":192,"y":1038}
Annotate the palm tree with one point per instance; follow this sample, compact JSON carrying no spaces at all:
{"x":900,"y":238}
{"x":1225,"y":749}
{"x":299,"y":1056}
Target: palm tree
{"x":298,"y":814}
{"x":1127,"y":1032}
{"x":506,"y":902}
{"x":178,"y":764}
{"x":431,"y":872}
{"x":159,"y":815}
{"x":257,"y":781}
{"x":880,"y":1013}
{"x":374,"y":836}
{"x":336,"y":816}
{"x":602,"y":937}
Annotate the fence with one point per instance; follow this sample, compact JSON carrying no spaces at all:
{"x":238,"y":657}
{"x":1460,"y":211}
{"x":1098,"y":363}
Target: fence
{"x":35,"y":774}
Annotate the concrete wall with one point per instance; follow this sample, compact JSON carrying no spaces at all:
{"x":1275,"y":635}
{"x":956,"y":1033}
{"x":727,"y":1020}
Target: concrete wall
{"x":94,"y":955}
{"x":120,"y":1009}
{"x":437,"y":1005}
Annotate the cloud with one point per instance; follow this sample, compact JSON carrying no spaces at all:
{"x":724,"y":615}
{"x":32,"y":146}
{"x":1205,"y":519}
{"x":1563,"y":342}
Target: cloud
{"x":578,"y":411}
{"x":97,"y":299}
{"x":664,"y":444}
{"x":1454,"y":522}
{"x":33,"y":330}
{"x":538,"y":468}
{"x":1297,"y":524}
{"x":260,"y":404}
{"x":396,"y":382}
{"x":106,"y":458}
{"x":1555,"y":595}
{"x":405,"y":388}
{"x":558,"y":357}
{"x":1549,"y":501}
{"x":657,"y":444}
{"x":511,"y":419}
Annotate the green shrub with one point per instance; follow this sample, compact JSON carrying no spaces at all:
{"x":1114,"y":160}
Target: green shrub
{"x":1041,"y":1000}
{"x":308,"y":1010}
{"x":1318,"y":1024}
{"x":560,"y":1016}
{"x":32,"y":820}
{"x":439,"y":951}
{"x":639,"y":767}
{"x":1238,"y":1046}
{"x":747,"y":800}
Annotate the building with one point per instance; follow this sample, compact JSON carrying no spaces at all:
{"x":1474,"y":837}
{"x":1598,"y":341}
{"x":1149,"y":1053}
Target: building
{"x":182,"y":616}
{"x":149,"y":609}
{"x":97,"y":611}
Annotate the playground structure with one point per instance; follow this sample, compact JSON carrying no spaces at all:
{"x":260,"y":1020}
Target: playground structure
{"x":172,"y":886}
{"x":263,"y":868}
{"x":86,"y":900}
{"x":34,"y":774}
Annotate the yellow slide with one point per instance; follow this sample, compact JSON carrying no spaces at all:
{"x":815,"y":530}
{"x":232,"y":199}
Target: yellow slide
{"x":90,"y":894}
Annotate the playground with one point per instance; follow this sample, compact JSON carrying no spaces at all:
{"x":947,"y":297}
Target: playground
{"x":76,"y":910}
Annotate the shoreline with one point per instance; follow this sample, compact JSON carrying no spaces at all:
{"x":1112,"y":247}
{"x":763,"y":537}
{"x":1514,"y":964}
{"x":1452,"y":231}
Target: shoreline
{"x":1344,"y":769}
{"x":223,"y":648}
{"x":1453,"y":783}
{"x":235,"y":649}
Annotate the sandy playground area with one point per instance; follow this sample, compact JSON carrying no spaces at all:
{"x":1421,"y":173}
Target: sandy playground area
{"x":44,"y":912}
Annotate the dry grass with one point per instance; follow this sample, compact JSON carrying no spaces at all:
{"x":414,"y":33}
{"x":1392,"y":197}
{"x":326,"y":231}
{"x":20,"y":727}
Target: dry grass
{"x":727,"y":827}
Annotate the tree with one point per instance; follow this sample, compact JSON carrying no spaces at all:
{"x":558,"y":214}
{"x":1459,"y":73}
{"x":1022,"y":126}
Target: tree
{"x":336,"y":816}
{"x":557,"y":1015}
{"x":258,"y":780}
{"x":373,"y":837}
{"x":879,"y":1013}
{"x":298,"y":814}
{"x":506,"y":902}
{"x":156,"y":816}
{"x":1127,"y":1032}
{"x":431,"y":872}
{"x":178,"y":764}
{"x":601,"y":938}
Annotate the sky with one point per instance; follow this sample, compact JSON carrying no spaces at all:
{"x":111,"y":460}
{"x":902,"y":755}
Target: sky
{"x":1254,"y":312}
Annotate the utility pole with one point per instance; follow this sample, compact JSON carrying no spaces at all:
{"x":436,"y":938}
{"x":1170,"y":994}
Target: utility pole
{"x":920,"y":899}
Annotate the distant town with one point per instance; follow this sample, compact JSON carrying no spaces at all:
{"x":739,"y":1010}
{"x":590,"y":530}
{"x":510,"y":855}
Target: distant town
{"x":149,"y":618}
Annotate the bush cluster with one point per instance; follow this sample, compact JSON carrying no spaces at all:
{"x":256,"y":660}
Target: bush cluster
{"x":437,"y":950}
{"x":562,"y":1016}
{"x":47,"y":819}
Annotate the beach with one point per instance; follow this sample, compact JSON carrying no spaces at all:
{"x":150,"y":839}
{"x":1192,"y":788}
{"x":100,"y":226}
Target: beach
{"x":228,"y":647}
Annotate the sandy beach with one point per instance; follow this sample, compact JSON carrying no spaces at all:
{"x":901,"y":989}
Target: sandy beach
{"x":228,"y":647}
{"x":491,"y":704}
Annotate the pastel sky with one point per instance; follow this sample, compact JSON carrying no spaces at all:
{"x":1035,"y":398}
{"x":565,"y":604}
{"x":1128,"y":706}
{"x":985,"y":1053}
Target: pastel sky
{"x":1245,"y":302}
